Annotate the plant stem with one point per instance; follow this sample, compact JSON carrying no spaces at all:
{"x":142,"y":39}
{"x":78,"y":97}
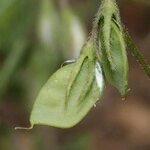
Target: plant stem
{"x":139,"y":57}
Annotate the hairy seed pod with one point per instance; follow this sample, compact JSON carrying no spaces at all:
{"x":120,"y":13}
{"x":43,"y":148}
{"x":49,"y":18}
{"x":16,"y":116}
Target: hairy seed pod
{"x":113,"y":47}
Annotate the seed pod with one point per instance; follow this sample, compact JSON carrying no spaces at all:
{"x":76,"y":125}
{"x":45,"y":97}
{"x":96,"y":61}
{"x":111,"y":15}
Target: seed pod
{"x":70,"y":93}
{"x":113,"y":47}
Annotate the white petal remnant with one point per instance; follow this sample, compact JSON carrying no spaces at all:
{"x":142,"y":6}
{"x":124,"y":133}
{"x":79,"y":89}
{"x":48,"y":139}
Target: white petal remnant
{"x":99,"y":77}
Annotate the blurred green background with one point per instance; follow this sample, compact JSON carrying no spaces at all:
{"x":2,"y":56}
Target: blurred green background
{"x":36,"y":37}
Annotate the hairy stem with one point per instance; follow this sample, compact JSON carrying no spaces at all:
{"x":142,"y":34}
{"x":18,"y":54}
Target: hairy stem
{"x":139,"y":57}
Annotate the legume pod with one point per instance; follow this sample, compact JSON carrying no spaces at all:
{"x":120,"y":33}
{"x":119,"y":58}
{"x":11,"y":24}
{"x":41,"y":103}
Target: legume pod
{"x":70,"y":93}
{"x":113,"y":48}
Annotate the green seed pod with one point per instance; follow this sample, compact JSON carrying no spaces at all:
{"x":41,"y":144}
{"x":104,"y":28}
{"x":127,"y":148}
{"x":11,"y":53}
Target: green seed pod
{"x":112,"y":47}
{"x":70,"y":93}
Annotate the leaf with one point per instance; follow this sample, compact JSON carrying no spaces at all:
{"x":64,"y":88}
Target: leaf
{"x":50,"y":107}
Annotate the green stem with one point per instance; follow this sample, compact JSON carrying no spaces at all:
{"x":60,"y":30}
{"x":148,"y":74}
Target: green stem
{"x":139,"y":57}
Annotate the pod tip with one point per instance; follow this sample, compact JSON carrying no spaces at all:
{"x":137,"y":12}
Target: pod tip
{"x":23,"y":128}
